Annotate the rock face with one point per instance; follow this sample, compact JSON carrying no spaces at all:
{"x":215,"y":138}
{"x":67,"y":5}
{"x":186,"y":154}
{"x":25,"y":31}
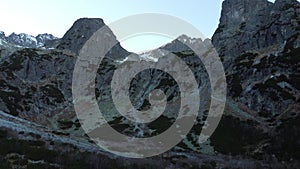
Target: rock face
{"x":247,"y":25}
{"x":258,"y":41}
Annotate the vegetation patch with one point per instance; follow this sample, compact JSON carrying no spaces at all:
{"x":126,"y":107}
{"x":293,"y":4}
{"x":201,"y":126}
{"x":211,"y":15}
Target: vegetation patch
{"x":235,"y":137}
{"x":118,"y":125}
{"x":54,"y":92}
{"x":235,"y":86}
{"x":184,"y":54}
{"x":161,"y":124}
{"x":270,"y":87}
{"x":11,"y":96}
{"x":285,"y":145}
{"x":65,"y":124}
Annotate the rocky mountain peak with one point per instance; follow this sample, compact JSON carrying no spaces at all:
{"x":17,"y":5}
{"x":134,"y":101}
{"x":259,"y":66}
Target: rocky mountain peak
{"x":189,"y":40}
{"x":22,"y":39}
{"x":182,"y":42}
{"x":27,"y":41}
{"x":44,"y":38}
{"x":79,"y":33}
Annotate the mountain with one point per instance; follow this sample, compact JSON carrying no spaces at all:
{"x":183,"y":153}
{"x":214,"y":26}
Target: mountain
{"x":23,"y":40}
{"x":258,"y":42}
{"x":176,"y":46}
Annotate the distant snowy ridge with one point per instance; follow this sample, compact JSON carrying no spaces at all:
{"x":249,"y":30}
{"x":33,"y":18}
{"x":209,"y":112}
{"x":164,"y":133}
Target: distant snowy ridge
{"x":26,"y":40}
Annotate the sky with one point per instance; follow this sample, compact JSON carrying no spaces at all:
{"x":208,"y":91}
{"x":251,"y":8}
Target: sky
{"x":57,"y":16}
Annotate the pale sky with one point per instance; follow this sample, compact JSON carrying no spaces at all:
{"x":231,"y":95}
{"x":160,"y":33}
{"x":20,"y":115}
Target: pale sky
{"x":57,"y":16}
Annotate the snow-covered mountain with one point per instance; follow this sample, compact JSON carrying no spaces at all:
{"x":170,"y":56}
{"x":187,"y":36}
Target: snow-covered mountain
{"x":26,"y":41}
{"x":180,"y":44}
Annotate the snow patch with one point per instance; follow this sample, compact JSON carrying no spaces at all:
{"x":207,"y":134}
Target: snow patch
{"x":148,"y":57}
{"x":122,"y":61}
